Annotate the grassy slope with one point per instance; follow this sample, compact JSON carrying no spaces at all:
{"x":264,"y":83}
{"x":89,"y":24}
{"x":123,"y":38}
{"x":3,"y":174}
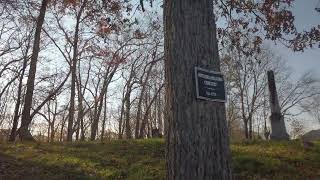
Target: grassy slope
{"x":144,"y":159}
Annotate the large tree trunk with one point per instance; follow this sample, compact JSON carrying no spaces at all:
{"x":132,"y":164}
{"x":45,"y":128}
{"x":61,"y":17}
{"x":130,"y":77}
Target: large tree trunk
{"x":197,"y":145}
{"x":23,"y":131}
{"x":278,"y":128}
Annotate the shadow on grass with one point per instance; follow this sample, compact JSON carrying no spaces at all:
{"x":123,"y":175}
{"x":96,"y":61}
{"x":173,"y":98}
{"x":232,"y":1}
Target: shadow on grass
{"x":112,"y":160}
{"x":14,"y":168}
{"x":144,"y":159}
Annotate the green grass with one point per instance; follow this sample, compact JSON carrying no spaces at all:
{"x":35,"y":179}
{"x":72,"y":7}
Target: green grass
{"x":275,"y":160}
{"x":144,"y":159}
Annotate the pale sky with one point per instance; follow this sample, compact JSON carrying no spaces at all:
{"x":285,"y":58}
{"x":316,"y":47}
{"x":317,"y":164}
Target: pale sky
{"x":305,"y":17}
{"x":300,"y":62}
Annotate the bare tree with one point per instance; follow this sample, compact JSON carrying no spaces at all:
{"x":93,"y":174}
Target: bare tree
{"x":297,"y":129}
{"x":23,"y":131}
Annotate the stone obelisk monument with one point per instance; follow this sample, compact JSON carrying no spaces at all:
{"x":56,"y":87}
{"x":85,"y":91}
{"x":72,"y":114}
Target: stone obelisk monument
{"x":278,"y":128}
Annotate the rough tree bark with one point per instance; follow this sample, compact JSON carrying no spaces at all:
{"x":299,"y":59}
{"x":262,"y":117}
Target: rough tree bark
{"x":278,"y":128}
{"x":197,"y":145}
{"x":24,"y":133}
{"x":127,"y":113}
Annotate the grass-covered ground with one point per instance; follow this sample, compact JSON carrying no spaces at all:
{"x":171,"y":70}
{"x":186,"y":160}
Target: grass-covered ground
{"x":144,"y":159}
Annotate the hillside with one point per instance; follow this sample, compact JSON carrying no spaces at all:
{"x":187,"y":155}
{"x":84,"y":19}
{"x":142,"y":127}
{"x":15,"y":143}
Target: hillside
{"x":144,"y":159}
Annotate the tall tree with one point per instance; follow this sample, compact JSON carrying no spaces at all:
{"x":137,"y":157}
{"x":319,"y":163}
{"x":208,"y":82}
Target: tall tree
{"x":16,"y":116}
{"x":23,"y":131}
{"x":73,"y":67}
{"x":197,"y":137}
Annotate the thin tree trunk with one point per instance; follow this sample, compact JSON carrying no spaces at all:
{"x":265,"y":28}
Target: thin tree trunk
{"x":146,"y":114}
{"x":80,"y":116}
{"x":250,"y":127}
{"x":80,"y":110}
{"x":127,"y":115}
{"x":52,"y":132}
{"x":121,"y":120}
{"x":107,"y":79}
{"x":18,"y":103}
{"x":149,"y":126}
{"x":154,"y":116}
{"x":104,"y":118}
{"x":138,"y":116}
{"x":61,"y":130}
{"x":197,"y":145}
{"x":246,"y":129}
{"x":74,"y":74}
{"x":53,"y":121}
{"x":80,"y":131}
{"x":82,"y":135}
{"x":159,"y":111}
{"x":48,"y":133}
{"x":24,"y":133}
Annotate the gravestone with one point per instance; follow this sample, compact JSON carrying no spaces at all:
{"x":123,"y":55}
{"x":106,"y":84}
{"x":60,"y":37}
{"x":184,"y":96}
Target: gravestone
{"x":278,"y":128}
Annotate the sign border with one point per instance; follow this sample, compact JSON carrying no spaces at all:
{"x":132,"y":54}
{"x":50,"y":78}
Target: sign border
{"x":197,"y":85}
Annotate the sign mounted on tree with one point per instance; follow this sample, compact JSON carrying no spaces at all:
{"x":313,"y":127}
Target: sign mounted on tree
{"x":210,"y":85}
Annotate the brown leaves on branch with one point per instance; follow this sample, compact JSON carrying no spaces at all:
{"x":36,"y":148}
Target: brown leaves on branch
{"x":71,"y":2}
{"x":116,"y":21}
{"x":267,"y":19}
{"x":138,"y":34}
{"x":306,"y":39}
{"x":115,"y":6}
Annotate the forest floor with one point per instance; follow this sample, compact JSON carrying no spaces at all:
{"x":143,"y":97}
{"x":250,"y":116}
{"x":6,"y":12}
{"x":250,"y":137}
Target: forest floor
{"x":144,"y":159}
